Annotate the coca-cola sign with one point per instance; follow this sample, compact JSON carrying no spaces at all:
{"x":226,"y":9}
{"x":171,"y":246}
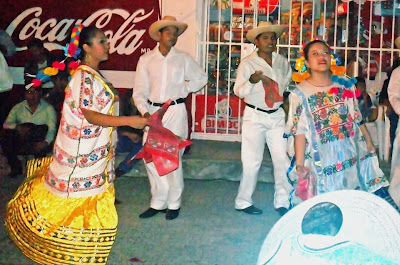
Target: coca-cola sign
{"x":125,"y":23}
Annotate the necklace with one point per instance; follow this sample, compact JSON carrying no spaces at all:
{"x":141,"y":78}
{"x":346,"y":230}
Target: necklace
{"x":318,"y":85}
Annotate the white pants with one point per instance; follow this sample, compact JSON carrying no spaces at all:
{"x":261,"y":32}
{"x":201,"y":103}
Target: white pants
{"x":166,"y":191}
{"x":394,"y":188}
{"x":259,"y":128}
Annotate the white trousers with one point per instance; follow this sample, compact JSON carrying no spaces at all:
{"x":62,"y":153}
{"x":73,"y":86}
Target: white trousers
{"x":394,"y":188}
{"x":259,"y":128}
{"x":166,"y":191}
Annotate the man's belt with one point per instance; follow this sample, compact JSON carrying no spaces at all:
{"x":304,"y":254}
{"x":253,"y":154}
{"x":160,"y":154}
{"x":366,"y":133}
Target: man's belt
{"x":174,"y":102}
{"x":263,"y":110}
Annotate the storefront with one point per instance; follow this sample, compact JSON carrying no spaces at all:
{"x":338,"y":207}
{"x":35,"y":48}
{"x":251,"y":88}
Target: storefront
{"x":362,"y":33}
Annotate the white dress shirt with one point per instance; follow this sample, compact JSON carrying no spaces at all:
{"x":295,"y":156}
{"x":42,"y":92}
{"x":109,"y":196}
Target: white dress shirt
{"x":254,"y":94}
{"x":160,"y":78}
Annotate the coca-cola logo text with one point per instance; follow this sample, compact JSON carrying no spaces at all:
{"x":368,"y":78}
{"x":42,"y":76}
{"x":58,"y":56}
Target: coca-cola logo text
{"x":124,"y":41}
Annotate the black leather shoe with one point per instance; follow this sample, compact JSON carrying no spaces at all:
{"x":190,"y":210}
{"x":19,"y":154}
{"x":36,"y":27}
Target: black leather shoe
{"x":281,"y":210}
{"x":251,"y":210}
{"x":119,"y":172}
{"x":172,"y":214}
{"x":150,"y":213}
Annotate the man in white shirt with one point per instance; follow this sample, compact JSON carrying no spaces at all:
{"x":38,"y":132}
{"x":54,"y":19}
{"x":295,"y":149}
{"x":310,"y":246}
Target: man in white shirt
{"x":262,"y":77}
{"x":7,"y":49}
{"x":162,"y":74}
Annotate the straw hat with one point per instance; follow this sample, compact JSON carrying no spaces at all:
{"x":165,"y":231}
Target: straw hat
{"x":164,"y":22}
{"x":358,"y":219}
{"x":264,"y":26}
{"x":397,"y":42}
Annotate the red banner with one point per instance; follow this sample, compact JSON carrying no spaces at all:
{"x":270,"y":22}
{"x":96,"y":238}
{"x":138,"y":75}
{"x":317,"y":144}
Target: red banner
{"x":125,"y":23}
{"x":220,"y":116}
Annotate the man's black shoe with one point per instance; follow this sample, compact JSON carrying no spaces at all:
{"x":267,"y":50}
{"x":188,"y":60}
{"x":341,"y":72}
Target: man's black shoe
{"x":172,"y":214}
{"x":150,"y":213}
{"x":119,"y":172}
{"x":251,"y":210}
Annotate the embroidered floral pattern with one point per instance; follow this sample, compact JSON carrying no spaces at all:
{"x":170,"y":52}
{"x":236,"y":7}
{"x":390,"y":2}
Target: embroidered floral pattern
{"x":86,"y":93}
{"x":296,"y":117}
{"x":70,"y":102}
{"x":340,"y":166}
{"x":73,"y":132}
{"x":87,"y":97}
{"x":332,"y":119}
{"x":103,"y":99}
{"x":78,"y":184}
{"x":83,"y":160}
{"x":376,"y":181}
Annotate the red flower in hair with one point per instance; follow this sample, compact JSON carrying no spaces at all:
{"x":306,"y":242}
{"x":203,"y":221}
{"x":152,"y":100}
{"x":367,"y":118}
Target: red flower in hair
{"x":73,"y":64}
{"x":59,"y":66}
{"x":36,"y":82}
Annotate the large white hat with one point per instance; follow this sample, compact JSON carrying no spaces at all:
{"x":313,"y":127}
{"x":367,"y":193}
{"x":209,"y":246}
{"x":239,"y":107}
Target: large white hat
{"x":264,"y":26}
{"x":363,"y":220}
{"x":164,"y":22}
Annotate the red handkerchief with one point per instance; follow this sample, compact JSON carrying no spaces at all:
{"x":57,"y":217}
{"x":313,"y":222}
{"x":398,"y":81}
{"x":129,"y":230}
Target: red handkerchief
{"x":162,"y":146}
{"x":271,"y":92}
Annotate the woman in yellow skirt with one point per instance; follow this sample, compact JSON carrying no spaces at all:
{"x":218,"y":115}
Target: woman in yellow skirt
{"x":64,"y":211}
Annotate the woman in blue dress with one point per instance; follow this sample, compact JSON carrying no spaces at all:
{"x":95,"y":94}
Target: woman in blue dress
{"x":330,"y":146}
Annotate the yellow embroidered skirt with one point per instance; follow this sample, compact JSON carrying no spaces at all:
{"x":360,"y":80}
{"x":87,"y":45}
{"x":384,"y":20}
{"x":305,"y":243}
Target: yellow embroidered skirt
{"x":53,"y":230}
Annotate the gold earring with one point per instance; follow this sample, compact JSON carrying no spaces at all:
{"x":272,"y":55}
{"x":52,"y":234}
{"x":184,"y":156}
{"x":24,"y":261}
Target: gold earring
{"x":87,"y":58}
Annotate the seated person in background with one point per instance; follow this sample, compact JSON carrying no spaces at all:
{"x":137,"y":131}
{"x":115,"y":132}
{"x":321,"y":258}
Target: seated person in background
{"x":55,"y":96}
{"x":365,"y":103}
{"x":41,"y":58}
{"x":30,"y":128}
{"x":129,"y":139}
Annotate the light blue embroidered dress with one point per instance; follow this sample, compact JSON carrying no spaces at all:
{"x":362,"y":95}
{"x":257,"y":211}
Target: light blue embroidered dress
{"x":335,"y":150}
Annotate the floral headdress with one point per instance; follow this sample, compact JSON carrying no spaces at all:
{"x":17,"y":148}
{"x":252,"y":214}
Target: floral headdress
{"x":337,"y":72}
{"x":71,"y":50}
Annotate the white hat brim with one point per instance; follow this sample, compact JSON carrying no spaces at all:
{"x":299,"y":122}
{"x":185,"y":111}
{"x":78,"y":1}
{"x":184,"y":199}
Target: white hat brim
{"x":156,"y":26}
{"x":367,"y":220}
{"x":253,"y":33}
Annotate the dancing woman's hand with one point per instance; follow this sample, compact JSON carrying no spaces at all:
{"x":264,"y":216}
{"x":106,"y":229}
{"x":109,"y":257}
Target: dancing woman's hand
{"x":371,"y":147}
{"x":138,"y":122}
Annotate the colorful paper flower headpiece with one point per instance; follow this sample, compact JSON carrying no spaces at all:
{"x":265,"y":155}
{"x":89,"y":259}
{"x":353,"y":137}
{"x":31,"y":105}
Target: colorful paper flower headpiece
{"x":71,"y":50}
{"x":302,"y":73}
